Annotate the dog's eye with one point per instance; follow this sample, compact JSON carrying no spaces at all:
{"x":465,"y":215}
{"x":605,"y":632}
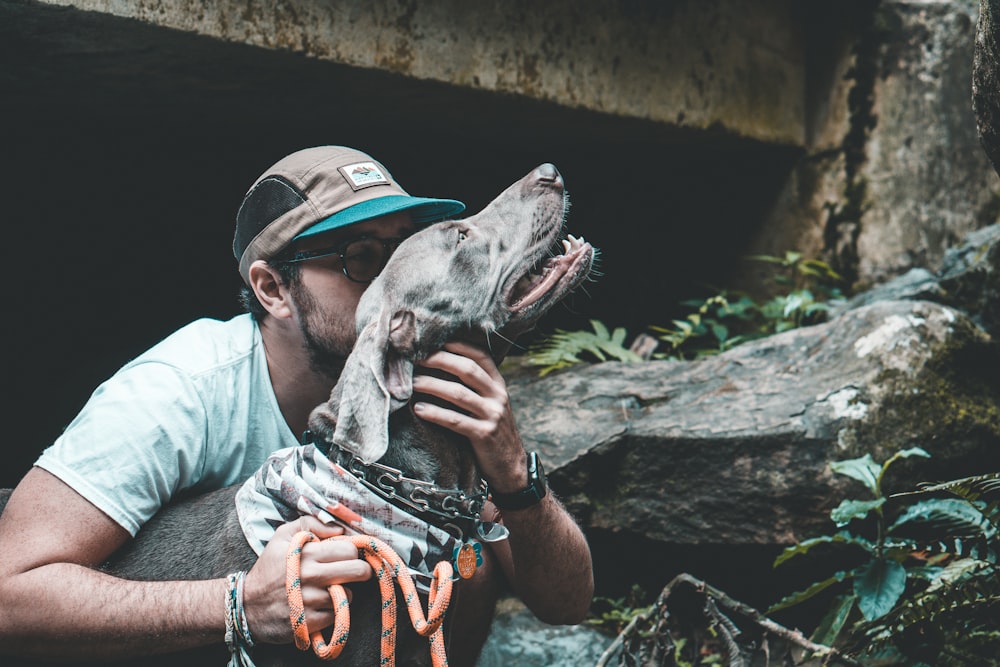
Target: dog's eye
{"x":462,"y":236}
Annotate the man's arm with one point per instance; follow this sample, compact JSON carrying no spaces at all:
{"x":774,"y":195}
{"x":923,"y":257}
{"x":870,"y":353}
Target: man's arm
{"x":54,"y":603}
{"x":549,"y":561}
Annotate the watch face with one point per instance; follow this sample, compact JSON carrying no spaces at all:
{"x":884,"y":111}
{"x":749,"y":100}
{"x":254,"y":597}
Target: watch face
{"x":537,"y":475}
{"x":541,"y":470}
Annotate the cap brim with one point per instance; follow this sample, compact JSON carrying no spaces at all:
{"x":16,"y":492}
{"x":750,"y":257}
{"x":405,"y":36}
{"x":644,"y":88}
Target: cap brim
{"x":423,"y":211}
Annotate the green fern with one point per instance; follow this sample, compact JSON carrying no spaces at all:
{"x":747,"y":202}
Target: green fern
{"x":713,"y":325}
{"x":972,"y":592}
{"x":930,"y":583}
{"x":565,"y":348}
{"x":983,"y":491}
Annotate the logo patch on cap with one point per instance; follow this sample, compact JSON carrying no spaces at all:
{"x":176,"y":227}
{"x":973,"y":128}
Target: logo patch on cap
{"x":363,"y":175}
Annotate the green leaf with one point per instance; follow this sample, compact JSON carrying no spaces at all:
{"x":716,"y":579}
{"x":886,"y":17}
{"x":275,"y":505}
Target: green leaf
{"x":720,"y":331}
{"x":819,"y":269}
{"x":599,"y":329}
{"x":784,"y":326}
{"x":848,"y":510}
{"x":803,"y":547}
{"x":902,"y":454}
{"x":863,"y":469}
{"x":818,"y":307}
{"x":802,"y":596}
{"x":564,"y":348}
{"x":833,"y":622}
{"x":766,"y":258}
{"x":954,"y":571}
{"x":742,"y":309}
{"x":685,"y":327}
{"x":617,"y":336}
{"x":793,"y":303}
{"x":878,"y":586}
{"x":946,"y":517}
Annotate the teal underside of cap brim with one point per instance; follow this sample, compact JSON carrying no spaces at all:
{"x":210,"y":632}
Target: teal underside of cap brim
{"x":423,"y":211}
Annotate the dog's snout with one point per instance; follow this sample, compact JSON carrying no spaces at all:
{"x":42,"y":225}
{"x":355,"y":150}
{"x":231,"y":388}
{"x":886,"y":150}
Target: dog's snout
{"x":547,"y":173}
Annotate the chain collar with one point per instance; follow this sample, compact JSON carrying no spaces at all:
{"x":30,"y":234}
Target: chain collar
{"x":442,"y":507}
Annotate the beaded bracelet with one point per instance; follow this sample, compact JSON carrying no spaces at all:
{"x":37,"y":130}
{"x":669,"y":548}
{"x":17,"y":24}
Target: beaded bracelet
{"x":238,"y":637}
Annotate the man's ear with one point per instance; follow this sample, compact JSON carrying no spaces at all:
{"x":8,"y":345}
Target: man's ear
{"x":272,"y":293}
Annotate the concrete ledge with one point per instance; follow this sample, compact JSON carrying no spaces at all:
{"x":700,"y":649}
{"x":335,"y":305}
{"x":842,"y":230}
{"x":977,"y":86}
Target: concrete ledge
{"x":686,"y":63}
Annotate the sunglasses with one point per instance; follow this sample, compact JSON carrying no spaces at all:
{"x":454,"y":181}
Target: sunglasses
{"x":362,"y":258}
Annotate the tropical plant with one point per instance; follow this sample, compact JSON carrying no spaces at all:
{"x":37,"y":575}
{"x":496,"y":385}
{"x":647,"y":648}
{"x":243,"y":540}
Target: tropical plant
{"x":710,"y":328}
{"x":927,"y":580}
{"x":805,"y":287}
{"x":565,"y":348}
{"x":612,"y":615}
{"x":803,"y":290}
{"x":955,"y":617}
{"x":720,"y":322}
{"x":797,"y":272}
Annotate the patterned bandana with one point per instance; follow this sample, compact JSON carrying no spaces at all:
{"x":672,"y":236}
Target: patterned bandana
{"x":302,"y":481}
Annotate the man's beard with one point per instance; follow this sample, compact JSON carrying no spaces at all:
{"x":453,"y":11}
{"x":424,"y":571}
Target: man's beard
{"x":326,"y":353}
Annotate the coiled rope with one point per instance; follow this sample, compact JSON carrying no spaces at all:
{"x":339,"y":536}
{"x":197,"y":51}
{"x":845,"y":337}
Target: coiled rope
{"x":387,"y":566}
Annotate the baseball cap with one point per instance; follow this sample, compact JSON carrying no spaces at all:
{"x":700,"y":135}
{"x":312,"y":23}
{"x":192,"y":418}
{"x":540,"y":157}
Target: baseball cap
{"x":319,"y":189}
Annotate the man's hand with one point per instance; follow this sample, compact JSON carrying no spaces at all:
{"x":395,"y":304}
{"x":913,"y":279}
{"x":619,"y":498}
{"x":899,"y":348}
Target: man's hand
{"x":482,"y":412}
{"x":323,"y":564}
{"x":546,"y":558}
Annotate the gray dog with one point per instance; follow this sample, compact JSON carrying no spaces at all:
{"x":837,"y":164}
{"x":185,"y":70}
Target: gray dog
{"x":487,"y":278}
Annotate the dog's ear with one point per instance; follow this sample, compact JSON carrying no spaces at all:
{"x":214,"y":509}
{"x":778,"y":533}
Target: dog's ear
{"x":377,"y":380}
{"x":399,"y":354}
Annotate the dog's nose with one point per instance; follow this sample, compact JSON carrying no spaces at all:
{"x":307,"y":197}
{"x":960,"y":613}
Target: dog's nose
{"x":547,"y":173}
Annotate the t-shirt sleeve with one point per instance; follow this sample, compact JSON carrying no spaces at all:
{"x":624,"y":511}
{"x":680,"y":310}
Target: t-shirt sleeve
{"x":139,"y":440}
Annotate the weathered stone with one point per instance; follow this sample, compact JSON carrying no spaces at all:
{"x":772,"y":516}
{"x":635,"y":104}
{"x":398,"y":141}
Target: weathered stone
{"x":969,"y":281}
{"x":925,"y":181}
{"x":687,"y":63}
{"x":893,"y":172}
{"x":518,"y":638}
{"x":986,"y":79}
{"x":970,"y":278}
{"x":914,"y":284}
{"x":734,"y":449}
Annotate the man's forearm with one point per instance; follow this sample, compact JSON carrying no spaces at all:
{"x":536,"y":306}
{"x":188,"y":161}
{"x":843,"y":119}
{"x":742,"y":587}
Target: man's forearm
{"x":64,"y":611}
{"x":553,"y":573}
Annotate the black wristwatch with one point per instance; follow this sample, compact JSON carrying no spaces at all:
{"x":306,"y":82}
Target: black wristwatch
{"x":529,"y":495}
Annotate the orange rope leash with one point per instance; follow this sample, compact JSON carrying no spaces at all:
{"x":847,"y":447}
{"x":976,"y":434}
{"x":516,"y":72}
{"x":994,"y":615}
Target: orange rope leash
{"x":387,"y":565}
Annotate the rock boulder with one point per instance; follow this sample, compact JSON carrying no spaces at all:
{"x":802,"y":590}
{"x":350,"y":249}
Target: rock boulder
{"x":734,"y":449}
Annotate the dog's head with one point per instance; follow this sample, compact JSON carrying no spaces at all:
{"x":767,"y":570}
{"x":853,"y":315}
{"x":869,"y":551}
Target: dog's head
{"x":495,"y":271}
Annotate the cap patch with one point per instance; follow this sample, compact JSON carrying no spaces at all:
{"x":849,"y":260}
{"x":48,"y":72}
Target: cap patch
{"x":363,"y":175}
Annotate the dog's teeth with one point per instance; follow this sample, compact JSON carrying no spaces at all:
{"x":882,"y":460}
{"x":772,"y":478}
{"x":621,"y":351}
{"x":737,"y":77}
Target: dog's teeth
{"x":574,"y":243}
{"x":567,"y":247}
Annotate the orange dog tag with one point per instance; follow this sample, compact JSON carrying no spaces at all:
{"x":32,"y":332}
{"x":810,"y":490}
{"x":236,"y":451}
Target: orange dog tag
{"x":467,"y":559}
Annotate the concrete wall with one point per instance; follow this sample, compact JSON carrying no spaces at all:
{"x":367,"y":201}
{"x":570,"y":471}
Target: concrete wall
{"x":926,"y":179}
{"x":684,"y":62}
{"x":893,"y":173}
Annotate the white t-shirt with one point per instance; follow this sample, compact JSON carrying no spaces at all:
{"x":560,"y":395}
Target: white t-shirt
{"x":196,"y":412}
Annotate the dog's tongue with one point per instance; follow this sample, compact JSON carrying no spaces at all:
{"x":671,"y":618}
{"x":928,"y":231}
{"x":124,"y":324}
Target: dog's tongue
{"x":533,"y":286}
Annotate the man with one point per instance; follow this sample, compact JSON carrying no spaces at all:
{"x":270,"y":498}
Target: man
{"x":205,"y":407}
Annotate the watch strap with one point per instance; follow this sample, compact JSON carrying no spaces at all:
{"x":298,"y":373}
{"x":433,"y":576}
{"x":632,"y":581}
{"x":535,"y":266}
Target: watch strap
{"x":529,"y":495}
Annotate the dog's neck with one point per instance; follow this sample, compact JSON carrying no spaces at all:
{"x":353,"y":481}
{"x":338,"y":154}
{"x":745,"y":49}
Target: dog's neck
{"x":423,"y":493}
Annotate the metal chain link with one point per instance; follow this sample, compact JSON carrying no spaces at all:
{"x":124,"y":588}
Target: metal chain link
{"x":425,"y":497}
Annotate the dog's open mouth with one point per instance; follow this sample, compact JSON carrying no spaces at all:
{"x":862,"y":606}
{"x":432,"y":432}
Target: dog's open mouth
{"x":550,"y":280}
